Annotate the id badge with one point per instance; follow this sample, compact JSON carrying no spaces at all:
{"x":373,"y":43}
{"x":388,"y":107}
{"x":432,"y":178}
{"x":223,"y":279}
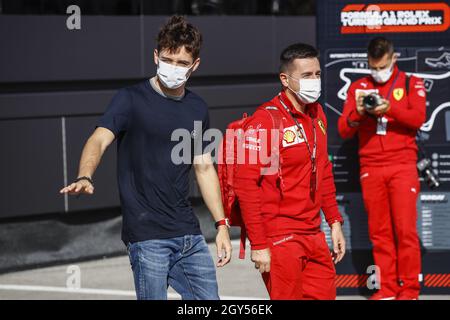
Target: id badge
{"x":382,"y":126}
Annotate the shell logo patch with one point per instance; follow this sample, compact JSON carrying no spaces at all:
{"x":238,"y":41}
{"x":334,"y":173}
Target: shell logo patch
{"x":322,"y":127}
{"x":291,"y":136}
{"x":398,"y":93}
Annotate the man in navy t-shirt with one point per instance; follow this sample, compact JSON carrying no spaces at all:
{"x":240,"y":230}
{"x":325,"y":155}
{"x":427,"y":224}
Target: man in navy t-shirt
{"x":160,"y":229}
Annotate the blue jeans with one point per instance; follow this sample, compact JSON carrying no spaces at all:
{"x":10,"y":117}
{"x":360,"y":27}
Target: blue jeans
{"x":184,"y":263}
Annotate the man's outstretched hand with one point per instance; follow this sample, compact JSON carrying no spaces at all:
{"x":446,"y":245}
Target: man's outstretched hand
{"x":77,"y":188}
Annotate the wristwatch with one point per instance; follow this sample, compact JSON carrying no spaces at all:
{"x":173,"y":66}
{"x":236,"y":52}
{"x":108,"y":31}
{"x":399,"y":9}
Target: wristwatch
{"x":85,"y":178}
{"x":223,"y":222}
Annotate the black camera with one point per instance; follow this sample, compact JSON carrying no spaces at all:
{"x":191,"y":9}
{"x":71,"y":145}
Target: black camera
{"x":426,"y":171}
{"x":372,"y":100}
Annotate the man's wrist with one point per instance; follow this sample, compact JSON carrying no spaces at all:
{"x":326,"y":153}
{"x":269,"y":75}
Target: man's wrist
{"x":222,"y":223}
{"x":336,"y":224}
{"x":224,"y":227}
{"x":357,"y":116}
{"x":259,"y":248}
{"x":87,"y":178}
{"x":360,"y":111}
{"x":354,"y":118}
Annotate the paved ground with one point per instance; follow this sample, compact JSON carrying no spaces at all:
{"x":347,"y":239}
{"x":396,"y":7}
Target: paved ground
{"x":112,"y":279}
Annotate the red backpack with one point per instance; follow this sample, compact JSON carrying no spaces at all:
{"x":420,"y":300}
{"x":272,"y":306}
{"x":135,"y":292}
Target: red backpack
{"x":227,"y":168}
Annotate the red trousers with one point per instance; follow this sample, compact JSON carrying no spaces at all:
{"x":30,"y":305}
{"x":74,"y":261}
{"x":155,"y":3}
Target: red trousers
{"x":390,"y":194}
{"x":301,"y":268}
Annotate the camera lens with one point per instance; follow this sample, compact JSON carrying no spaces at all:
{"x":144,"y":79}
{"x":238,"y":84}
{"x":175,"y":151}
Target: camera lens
{"x":370,"y":102}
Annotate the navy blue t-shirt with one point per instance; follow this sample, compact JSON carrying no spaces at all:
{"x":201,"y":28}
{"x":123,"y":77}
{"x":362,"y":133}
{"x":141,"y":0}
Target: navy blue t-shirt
{"x":153,"y":190}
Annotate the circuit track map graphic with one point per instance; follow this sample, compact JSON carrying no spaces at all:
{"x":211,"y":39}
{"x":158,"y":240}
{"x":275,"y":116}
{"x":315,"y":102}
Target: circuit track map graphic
{"x":442,"y":62}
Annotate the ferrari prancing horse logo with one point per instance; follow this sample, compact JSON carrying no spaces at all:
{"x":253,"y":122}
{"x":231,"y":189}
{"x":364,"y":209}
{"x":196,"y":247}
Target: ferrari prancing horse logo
{"x":322,"y":126}
{"x":398,"y":93}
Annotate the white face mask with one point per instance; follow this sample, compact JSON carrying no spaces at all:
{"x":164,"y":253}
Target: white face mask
{"x":172,"y":77}
{"x":310,"y":90}
{"x":383,"y":75}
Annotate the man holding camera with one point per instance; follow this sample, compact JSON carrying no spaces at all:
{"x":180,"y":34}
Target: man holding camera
{"x":385,"y":110}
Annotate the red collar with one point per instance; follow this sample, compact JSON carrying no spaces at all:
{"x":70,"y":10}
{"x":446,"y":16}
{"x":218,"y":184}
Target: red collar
{"x":310,"y":109}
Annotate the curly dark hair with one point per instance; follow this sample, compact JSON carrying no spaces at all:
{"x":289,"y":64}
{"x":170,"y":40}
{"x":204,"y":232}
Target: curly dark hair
{"x":176,"y":33}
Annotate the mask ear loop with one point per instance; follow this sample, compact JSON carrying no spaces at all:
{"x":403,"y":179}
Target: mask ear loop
{"x":190,"y":71}
{"x":391,"y":67}
{"x":288,"y":84}
{"x":296,"y":93}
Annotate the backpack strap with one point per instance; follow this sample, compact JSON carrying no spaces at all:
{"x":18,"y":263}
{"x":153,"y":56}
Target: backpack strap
{"x":407,"y":81}
{"x":229,"y":155}
{"x":277,"y":122}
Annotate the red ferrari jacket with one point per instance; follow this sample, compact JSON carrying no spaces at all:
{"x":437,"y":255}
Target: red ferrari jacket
{"x":271,"y":207}
{"x":405,"y":117}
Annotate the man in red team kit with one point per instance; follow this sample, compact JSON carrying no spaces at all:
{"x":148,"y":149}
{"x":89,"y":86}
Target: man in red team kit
{"x":281,"y":210}
{"x":386,"y":128}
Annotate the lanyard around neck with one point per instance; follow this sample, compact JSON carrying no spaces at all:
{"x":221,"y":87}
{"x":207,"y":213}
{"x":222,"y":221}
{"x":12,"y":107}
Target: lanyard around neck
{"x":391,"y":88}
{"x":313,"y":152}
